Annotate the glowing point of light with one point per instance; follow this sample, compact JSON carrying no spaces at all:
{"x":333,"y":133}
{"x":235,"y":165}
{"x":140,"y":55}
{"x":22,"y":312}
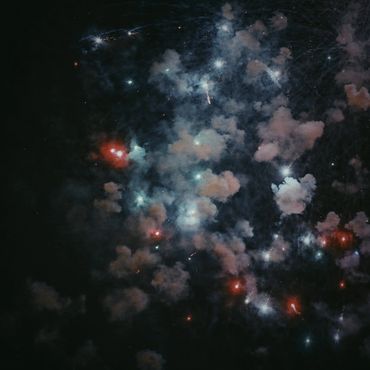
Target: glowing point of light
{"x":156,"y":235}
{"x":129,"y":82}
{"x":329,"y":57}
{"x":342,"y":284}
{"x":285,"y":171}
{"x":307,"y":341}
{"x":265,"y":308}
{"x":188,"y":318}
{"x":294,"y":306}
{"x":167,"y":70}
{"x":114,"y":153}
{"x":318,"y":254}
{"x":225,"y":27}
{"x":198,"y":176}
{"x":276,"y":236}
{"x":219,"y":63}
{"x":156,"y":247}
{"x":332,"y":164}
{"x":98,"y":40}
{"x":274,"y":75}
{"x":307,"y":239}
{"x":336,"y":337}
{"x":266,"y":256}
{"x":196,"y":142}
{"x":140,"y":200}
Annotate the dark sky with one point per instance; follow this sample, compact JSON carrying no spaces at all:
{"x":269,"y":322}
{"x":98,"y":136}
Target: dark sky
{"x":59,"y":116}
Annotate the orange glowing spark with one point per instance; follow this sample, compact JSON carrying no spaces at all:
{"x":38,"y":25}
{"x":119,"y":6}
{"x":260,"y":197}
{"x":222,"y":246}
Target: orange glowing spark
{"x":338,"y":238}
{"x":156,"y":235}
{"x":236,"y":286}
{"x":114,"y":153}
{"x":294,"y":306}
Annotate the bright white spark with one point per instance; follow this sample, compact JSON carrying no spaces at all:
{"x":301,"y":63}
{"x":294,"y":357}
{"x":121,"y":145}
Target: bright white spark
{"x":225,"y":28}
{"x":219,"y":63}
{"x":285,"y":171}
{"x":206,"y":88}
{"x":336,"y":337}
{"x":266,"y":256}
{"x":98,"y":40}
{"x":274,"y":75}
{"x":140,"y":200}
{"x":307,"y":239}
{"x":294,"y":308}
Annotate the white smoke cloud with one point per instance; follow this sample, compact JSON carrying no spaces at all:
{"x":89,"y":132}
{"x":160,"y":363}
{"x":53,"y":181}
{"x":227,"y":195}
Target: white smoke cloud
{"x":293,"y":195}
{"x":192,"y":213}
{"x":149,"y":360}
{"x":128,"y":263}
{"x":357,"y":98}
{"x":227,"y":12}
{"x":278,"y":251}
{"x":330,"y":223}
{"x":360,"y":226}
{"x":207,"y":145}
{"x":219,"y":187}
{"x":125,"y":303}
{"x":113,"y":194}
{"x":285,"y":137}
{"x":172,"y":282}
{"x":279,"y":21}
{"x":244,"y":229}
{"x":45,"y":297}
{"x":349,"y":261}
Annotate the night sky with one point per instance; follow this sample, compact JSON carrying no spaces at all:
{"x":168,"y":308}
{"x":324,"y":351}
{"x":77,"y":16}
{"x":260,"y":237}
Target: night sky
{"x":187,"y":185}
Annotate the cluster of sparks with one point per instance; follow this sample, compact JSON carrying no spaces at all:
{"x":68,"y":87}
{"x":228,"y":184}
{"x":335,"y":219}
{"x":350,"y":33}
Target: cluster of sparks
{"x":114,"y":153}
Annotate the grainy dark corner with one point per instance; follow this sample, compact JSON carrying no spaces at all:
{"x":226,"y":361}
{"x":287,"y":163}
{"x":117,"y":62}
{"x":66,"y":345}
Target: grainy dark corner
{"x":187,"y":185}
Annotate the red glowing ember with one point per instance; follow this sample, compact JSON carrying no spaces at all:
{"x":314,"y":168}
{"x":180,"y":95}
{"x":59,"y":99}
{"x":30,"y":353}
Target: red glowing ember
{"x":114,"y":153}
{"x":188,"y":318}
{"x":236,"y":286}
{"x":338,"y":238}
{"x":342,"y":284}
{"x":156,"y":235}
{"x":293,"y":306}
